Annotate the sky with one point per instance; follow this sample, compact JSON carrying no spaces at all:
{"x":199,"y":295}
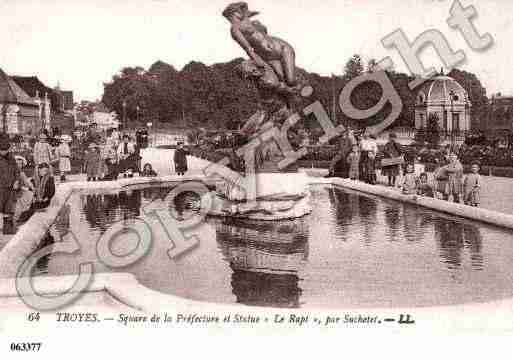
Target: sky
{"x":81,"y":44}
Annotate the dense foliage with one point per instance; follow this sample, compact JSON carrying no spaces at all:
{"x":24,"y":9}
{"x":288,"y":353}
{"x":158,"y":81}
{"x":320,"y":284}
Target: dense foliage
{"x":215,"y":97}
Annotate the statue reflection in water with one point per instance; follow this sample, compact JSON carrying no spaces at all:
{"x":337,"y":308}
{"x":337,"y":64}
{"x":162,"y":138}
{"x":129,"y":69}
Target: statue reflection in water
{"x":266,"y":258}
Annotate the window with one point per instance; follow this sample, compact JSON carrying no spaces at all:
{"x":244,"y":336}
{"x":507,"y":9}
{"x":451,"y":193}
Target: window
{"x":421,"y":99}
{"x":422,"y":122}
{"x":445,"y":121}
{"x":456,"y":122}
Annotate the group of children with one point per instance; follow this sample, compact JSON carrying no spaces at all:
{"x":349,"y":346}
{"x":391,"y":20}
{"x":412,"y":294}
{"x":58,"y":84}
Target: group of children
{"x":109,"y":161}
{"x":471,"y":185}
{"x":95,"y":171}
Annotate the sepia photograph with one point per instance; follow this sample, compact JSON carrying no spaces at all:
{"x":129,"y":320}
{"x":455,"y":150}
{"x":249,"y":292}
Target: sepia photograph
{"x":328,"y":169}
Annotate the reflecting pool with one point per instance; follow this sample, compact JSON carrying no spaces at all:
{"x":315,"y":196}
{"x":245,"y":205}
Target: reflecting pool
{"x":354,"y":250}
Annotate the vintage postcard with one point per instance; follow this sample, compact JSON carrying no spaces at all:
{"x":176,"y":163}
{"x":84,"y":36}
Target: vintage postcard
{"x":185,"y":172}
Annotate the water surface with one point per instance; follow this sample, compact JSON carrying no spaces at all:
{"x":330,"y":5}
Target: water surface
{"x":354,"y":250}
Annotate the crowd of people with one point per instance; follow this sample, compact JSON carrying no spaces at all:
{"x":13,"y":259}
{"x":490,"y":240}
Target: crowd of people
{"x":20,"y":195}
{"x":29,"y":168}
{"x":357,"y":156}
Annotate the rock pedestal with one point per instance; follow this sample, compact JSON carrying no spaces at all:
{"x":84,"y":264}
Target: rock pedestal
{"x":277,"y":196}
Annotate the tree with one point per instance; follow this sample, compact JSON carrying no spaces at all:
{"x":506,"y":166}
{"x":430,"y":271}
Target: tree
{"x":132,"y":87}
{"x":353,"y":68}
{"x":216,"y":97}
{"x":372,"y":66}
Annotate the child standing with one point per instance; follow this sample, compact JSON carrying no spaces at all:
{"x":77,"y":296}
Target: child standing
{"x":64,"y":155}
{"x":410,"y":181}
{"x":353,"y":159}
{"x":425,"y":189}
{"x":472,"y":186}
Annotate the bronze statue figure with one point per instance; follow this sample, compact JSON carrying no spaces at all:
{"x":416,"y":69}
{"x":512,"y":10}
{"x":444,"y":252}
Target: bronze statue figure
{"x":272,"y":59}
{"x":271,"y":67}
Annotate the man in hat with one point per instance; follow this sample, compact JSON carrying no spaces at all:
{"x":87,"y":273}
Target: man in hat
{"x":126,"y":151}
{"x":339,"y":166}
{"x":10,"y":176}
{"x":369,"y":150}
{"x":392,"y":150}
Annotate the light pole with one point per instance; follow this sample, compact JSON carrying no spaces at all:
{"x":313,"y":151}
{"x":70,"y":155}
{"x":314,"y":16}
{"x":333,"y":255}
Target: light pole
{"x":4,"y":117}
{"x":124,"y":115}
{"x":451,"y":95}
{"x":334,"y":108}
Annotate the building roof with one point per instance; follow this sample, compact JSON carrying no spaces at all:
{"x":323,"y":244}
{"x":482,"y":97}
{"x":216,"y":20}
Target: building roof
{"x":33,"y":86}
{"x":439,"y":89}
{"x":11,"y":92}
{"x":502,"y":100}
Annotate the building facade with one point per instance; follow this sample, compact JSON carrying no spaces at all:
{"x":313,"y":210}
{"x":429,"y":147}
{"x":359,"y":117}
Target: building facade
{"x":43,"y":96}
{"x":445,"y":98}
{"x":19,"y":113}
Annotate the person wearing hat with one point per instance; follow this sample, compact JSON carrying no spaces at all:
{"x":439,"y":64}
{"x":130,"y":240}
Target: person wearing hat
{"x":24,"y":180}
{"x":339,"y":166}
{"x":8,"y":181}
{"x":63,"y":153}
{"x":92,"y":162}
{"x":43,"y":153}
{"x":392,"y":150}
{"x":369,"y":150}
{"x":180,"y":159}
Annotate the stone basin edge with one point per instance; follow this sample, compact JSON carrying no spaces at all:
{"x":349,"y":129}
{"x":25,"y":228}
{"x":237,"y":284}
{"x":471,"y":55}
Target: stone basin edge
{"x":456,"y":209}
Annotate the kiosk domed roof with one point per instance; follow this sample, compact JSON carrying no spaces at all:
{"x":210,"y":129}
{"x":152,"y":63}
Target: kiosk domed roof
{"x":439,"y":90}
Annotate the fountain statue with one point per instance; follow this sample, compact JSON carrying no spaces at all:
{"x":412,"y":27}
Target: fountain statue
{"x":271,"y":68}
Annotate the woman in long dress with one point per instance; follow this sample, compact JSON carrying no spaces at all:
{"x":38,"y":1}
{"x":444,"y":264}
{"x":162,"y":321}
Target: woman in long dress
{"x":180,"y":160}
{"x":24,"y":191}
{"x":43,"y":153}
